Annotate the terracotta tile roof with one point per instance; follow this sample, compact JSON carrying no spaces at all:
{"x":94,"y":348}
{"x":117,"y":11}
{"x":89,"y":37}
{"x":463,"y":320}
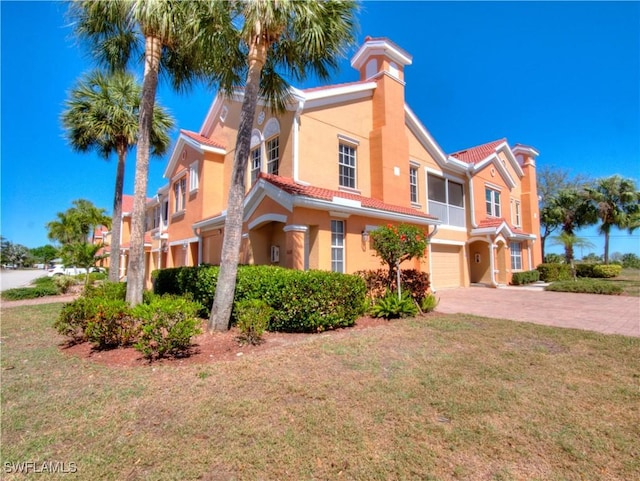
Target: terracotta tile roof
{"x":288,"y":185}
{"x":201,"y":139}
{"x":127,"y":203}
{"x":497,"y":222}
{"x":478,"y":153}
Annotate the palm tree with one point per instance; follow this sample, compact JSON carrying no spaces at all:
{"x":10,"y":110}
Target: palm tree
{"x":76,"y":224}
{"x":102,"y":114}
{"x":573,"y":211}
{"x":301,"y":38}
{"x":617,"y":202}
{"x":173,"y":40}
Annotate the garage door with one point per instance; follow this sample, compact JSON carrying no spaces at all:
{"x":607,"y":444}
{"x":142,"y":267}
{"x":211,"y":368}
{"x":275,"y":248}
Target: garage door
{"x":445,"y":266}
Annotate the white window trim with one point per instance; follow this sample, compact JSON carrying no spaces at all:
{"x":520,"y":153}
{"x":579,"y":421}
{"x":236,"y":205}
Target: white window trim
{"x":512,"y":256}
{"x":415,"y":167}
{"x":348,"y":144}
{"x":447,"y":179}
{"x":489,"y":188}
{"x":178,"y":181}
{"x":342,"y":247}
{"x":194,"y":180}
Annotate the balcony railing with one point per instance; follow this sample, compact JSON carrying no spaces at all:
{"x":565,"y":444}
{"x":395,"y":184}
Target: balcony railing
{"x":448,"y":214}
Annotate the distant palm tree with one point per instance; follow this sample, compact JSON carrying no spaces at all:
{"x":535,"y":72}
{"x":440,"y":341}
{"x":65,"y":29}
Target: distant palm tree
{"x":76,"y":224}
{"x":573,"y":211}
{"x":170,"y":38}
{"x":617,"y":202}
{"x":101,"y":114}
{"x":300,"y":38}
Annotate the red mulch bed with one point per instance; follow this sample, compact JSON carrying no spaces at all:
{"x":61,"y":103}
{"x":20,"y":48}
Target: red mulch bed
{"x":208,"y":348}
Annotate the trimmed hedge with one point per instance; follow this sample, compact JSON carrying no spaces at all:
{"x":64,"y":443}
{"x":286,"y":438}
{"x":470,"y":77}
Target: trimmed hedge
{"x":554,"y":272}
{"x":586,"y":286}
{"x":598,"y":271}
{"x":21,"y":293}
{"x":303,"y":301}
{"x":526,"y":277}
{"x":378,"y":283}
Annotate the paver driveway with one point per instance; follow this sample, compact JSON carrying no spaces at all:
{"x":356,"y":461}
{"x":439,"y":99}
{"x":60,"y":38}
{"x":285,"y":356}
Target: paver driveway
{"x":600,"y":313}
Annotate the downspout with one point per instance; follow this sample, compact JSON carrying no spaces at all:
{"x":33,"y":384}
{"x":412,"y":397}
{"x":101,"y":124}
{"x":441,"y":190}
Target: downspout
{"x":429,"y":237}
{"x":471,"y":202}
{"x":492,"y":263}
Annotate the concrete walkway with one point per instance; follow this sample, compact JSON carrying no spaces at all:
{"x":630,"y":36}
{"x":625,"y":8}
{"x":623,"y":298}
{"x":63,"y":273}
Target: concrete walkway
{"x":592,"y":312}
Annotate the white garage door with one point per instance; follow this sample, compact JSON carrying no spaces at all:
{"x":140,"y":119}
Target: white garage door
{"x":446,"y":266}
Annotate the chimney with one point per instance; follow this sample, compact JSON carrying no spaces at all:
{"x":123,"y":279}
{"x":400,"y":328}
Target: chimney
{"x":382,"y":61}
{"x":526,"y":157}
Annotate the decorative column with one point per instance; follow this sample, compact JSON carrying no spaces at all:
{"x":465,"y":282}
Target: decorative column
{"x":297,"y":247}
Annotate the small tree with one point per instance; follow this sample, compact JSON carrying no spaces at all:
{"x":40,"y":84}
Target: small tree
{"x":396,"y":244}
{"x":569,"y":242}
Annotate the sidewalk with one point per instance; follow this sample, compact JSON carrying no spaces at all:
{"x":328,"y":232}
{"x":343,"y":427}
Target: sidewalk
{"x":592,"y":312}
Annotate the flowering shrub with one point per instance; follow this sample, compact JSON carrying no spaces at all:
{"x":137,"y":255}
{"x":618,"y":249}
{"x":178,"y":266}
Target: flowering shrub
{"x":396,"y":244}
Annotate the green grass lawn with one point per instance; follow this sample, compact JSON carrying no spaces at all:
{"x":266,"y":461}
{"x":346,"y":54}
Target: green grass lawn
{"x":629,"y":280}
{"x":436,"y":398}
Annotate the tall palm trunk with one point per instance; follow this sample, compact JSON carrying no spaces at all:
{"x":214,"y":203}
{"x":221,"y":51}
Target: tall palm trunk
{"x":606,"y":245}
{"x":116,"y":221}
{"x":135,"y":270}
{"x":223,"y":302}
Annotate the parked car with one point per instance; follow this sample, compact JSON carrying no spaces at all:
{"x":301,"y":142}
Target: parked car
{"x":59,"y":270}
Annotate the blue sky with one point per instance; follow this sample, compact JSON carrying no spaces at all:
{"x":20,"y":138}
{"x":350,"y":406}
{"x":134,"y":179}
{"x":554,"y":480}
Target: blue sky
{"x":563,"y":77}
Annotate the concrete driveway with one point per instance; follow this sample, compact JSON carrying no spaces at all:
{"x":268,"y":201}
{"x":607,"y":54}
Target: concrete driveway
{"x":592,"y":312}
{"x":19,"y":278}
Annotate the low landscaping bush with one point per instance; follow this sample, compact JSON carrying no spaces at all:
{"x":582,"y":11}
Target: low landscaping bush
{"x":554,"y":272}
{"x":252,"y":320}
{"x":303,"y":301}
{"x":378,"y":283}
{"x":598,"y":271}
{"x":160,"y":326}
{"x":605,"y":271}
{"x":586,"y":286}
{"x":64,"y":283}
{"x":112,"y":325}
{"x":22,"y":293}
{"x":166,"y":326}
{"x":429,"y":303}
{"x":107,"y":290}
{"x":526,"y":277}
{"x":393,"y":307}
{"x":73,"y":318}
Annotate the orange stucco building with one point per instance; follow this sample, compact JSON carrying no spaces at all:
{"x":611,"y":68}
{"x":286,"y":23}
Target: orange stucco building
{"x":339,"y":162}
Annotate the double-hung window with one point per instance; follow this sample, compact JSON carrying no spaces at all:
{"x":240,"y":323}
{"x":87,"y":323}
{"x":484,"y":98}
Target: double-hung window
{"x":347,"y":166}
{"x":492,"y":200}
{"x":413,"y":184}
{"x":180,"y":194}
{"x":273,"y":155}
{"x":256,"y":164}
{"x":446,"y":200}
{"x":337,"y":246}
{"x":516,"y":256}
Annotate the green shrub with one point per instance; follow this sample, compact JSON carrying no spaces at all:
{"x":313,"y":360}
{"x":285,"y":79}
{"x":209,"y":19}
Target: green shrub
{"x":21,"y":293}
{"x":554,"y":272}
{"x":526,"y":277}
{"x":303,"y":301}
{"x":112,"y":325}
{"x":252,"y":319}
{"x":606,"y":271}
{"x":167,"y":326}
{"x":73,"y":318}
{"x":429,"y":303}
{"x":44,"y":281}
{"x":107,"y":290}
{"x":392,"y":307}
{"x":630,"y":261}
{"x":584,"y":270}
{"x":586,"y":286}
{"x":64,"y":283}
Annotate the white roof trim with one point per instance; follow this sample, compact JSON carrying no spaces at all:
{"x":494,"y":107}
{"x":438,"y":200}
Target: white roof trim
{"x":332,"y":95}
{"x":381,"y":46}
{"x":185,"y":140}
{"x":493,"y":158}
